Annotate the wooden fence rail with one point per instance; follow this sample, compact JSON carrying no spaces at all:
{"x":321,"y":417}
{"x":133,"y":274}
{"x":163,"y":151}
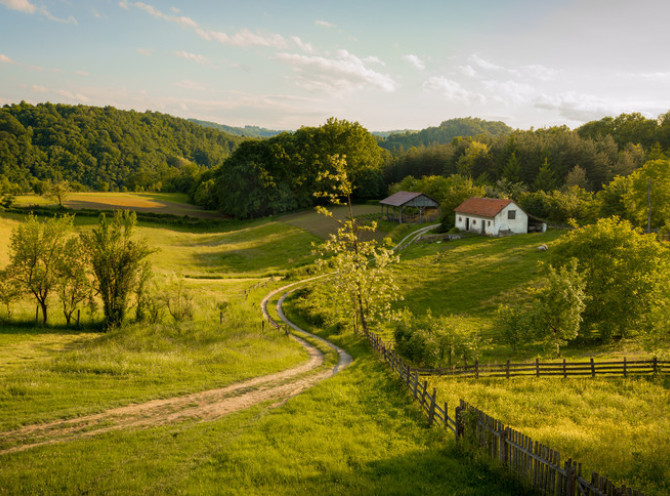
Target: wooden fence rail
{"x":591,"y":368}
{"x":531,"y":462}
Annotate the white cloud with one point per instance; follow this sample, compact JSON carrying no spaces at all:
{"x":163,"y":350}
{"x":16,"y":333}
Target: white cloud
{"x":539,"y":71}
{"x":200,"y":59}
{"x":468,"y":71}
{"x":415,"y":61}
{"x":484,"y":64}
{"x":345,"y":71}
{"x":582,"y":107}
{"x":5,"y":60}
{"x":19,"y":5}
{"x":68,"y":95}
{"x":28,"y":8}
{"x":305,"y":47}
{"x":452,"y":90}
{"x":147,"y":52}
{"x":82,"y":73}
{"x":510,"y":92}
{"x":324,"y":24}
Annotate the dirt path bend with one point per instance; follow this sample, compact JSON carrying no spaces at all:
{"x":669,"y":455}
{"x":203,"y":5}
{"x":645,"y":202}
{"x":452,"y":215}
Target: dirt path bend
{"x":202,"y":406}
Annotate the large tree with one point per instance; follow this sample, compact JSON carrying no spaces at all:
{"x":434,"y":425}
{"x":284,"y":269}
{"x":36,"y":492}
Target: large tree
{"x":625,"y":271}
{"x":117,"y":262}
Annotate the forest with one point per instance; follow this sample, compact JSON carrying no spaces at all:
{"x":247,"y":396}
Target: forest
{"x":104,"y":148}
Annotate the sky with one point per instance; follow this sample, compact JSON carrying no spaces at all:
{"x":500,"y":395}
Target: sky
{"x":388,"y":65}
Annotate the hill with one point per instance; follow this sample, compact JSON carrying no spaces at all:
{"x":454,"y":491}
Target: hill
{"x":105,"y":148}
{"x":246,"y":131}
{"x":445,"y":132}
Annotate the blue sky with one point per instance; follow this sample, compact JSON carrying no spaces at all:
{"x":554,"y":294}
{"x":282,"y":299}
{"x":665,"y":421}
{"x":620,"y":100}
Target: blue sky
{"x":386,"y":64}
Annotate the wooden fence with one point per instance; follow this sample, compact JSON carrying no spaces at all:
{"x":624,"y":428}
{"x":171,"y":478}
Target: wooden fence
{"x":532,"y":463}
{"x":591,"y":368}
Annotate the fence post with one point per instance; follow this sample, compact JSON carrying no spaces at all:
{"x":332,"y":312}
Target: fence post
{"x":537,"y":367}
{"x":503,"y":446}
{"x":460,"y":425}
{"x":593,"y":368}
{"x":507,"y":369}
{"x":655,"y":365}
{"x":625,"y":373}
{"x":416,"y":384}
{"x":446,"y":416}
{"x":431,"y":410}
{"x":476,"y":369}
{"x":565,"y":370}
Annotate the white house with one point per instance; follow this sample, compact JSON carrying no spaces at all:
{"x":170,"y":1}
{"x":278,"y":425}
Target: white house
{"x":495,"y":217}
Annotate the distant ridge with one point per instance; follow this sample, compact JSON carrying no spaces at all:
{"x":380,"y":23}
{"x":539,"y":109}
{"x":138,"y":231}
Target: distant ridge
{"x":246,"y":131}
{"x":444,"y":133}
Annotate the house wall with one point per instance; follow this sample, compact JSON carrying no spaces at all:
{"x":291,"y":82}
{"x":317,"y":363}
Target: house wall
{"x":518,"y":225}
{"x":475,"y":224}
{"x":492,"y":227}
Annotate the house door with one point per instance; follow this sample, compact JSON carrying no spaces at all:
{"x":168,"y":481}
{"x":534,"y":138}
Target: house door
{"x":467,"y":223}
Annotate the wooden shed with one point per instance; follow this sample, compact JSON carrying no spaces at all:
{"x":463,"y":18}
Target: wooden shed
{"x":415,"y":207}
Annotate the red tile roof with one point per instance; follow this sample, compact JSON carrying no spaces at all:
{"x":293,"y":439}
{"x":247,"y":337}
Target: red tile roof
{"x":484,"y":207}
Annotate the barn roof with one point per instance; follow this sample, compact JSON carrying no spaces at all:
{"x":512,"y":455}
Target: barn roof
{"x":403,"y":197}
{"x":485,"y":207}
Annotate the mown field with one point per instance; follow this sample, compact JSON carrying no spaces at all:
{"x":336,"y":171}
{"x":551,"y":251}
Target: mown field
{"x":160,"y":203}
{"x":356,"y":433}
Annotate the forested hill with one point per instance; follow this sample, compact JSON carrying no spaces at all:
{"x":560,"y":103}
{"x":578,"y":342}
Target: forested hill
{"x":444,"y":133}
{"x":105,"y":148}
{"x":246,"y":131}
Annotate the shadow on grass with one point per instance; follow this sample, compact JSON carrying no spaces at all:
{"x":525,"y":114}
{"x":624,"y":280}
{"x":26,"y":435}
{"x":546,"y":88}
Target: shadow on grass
{"x":29,"y":327}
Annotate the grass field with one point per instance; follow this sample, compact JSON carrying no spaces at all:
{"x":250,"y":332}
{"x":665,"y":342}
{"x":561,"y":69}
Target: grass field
{"x":617,"y":427}
{"x":353,"y":434}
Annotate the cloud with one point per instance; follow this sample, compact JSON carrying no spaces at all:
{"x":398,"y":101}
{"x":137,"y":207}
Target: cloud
{"x":510,"y":92}
{"x":415,"y":61}
{"x":582,"y":107}
{"x":19,"y":5}
{"x":82,"y":73}
{"x":5,"y":60}
{"x":452,"y":90}
{"x":345,"y":71}
{"x":200,"y":59}
{"x":305,"y":47}
{"x":28,"y":8}
{"x":190,"y":85}
{"x":242,"y":38}
{"x":484,"y":64}
{"x":324,"y":24}
{"x":68,"y":95}
{"x":468,"y":70}
{"x":147,"y":52}
{"x":539,"y":71}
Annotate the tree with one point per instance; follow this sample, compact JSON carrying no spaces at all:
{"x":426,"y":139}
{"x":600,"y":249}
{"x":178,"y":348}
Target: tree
{"x":546,"y":179}
{"x":10,"y":290}
{"x":460,"y":189}
{"x":654,"y":174}
{"x":74,"y":286}
{"x":362,"y":285}
{"x":576,"y":177}
{"x":625,"y":271}
{"x":117,"y":262}
{"x":512,"y":169}
{"x":36,"y":250}
{"x":557,"y":313}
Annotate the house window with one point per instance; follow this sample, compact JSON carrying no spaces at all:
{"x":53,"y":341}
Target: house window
{"x":474,"y":222}
{"x":489,"y":223}
{"x":511,"y":214}
{"x":460,"y":219}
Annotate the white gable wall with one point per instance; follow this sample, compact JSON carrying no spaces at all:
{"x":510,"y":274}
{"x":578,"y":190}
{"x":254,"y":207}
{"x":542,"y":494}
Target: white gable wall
{"x":493,"y":226}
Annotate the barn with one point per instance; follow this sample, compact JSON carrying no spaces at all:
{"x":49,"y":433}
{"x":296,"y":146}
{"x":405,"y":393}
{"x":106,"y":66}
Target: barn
{"x":407,"y":206}
{"x":495,"y":217}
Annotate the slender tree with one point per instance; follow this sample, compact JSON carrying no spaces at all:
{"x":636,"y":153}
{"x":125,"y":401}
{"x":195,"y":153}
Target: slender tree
{"x":36,"y":251}
{"x":362,"y":283}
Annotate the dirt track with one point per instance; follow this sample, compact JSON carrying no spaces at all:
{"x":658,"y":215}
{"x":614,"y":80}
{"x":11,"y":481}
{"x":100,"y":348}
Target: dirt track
{"x":202,"y":406}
